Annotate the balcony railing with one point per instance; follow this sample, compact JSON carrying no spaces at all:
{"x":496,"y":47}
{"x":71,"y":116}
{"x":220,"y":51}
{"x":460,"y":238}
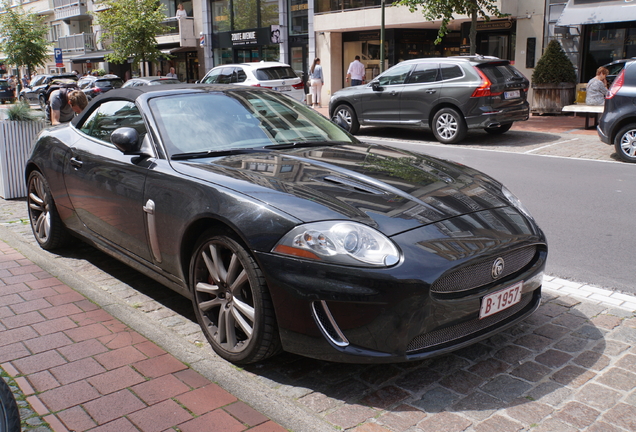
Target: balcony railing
{"x":80,"y":43}
{"x":178,"y":30}
{"x":66,"y":9}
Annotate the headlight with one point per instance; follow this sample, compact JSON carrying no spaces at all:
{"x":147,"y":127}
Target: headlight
{"x":515,"y":202}
{"x":348,"y":243}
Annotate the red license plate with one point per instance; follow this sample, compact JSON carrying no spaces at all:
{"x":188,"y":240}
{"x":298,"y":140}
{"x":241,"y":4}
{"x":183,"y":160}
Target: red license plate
{"x":500,"y":300}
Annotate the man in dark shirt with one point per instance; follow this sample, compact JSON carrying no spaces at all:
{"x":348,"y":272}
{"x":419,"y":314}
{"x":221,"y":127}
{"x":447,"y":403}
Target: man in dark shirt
{"x":64,"y":104}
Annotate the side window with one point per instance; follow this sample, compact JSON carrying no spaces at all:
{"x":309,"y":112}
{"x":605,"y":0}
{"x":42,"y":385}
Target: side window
{"x":241,"y":76}
{"x":225,"y":77}
{"x":450,"y":71}
{"x":37,"y":81}
{"x":112,"y":115}
{"x":212,"y":77}
{"x":424,"y":73}
{"x":395,"y":75}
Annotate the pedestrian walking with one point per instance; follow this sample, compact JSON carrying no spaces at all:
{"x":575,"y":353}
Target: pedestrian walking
{"x":355,"y":73}
{"x":317,"y":81}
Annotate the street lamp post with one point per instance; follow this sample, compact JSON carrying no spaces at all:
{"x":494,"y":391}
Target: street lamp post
{"x":382,"y":39}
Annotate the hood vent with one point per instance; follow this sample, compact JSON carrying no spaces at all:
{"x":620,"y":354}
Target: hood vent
{"x":351,"y":184}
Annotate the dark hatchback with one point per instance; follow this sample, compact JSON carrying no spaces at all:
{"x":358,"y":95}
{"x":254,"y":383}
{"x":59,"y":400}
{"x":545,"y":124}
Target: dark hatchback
{"x":6,"y":93}
{"x":284,"y":230}
{"x":94,"y":86}
{"x":35,"y":92}
{"x":447,"y":95}
{"x":617,"y":125}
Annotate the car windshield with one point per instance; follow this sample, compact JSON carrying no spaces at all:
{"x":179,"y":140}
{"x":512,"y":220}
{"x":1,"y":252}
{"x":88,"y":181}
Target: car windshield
{"x":163,"y":81}
{"x":239,"y":119}
{"x":275,"y":73}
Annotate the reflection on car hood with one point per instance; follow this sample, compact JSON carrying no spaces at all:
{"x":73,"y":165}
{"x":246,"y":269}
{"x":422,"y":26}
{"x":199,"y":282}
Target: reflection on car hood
{"x":390,"y":189}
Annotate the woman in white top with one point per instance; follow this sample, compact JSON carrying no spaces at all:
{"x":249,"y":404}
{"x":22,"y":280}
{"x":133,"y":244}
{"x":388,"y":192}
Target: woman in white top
{"x":317,"y":80}
{"x":180,"y":11}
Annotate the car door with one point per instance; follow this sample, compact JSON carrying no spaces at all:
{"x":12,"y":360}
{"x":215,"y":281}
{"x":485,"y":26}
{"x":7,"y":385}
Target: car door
{"x":32,"y":94}
{"x":380,"y":101}
{"x":420,"y":93}
{"x":104,"y":185}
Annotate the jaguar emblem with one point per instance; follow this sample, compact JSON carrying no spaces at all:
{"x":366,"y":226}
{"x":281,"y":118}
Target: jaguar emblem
{"x":497,"y":268}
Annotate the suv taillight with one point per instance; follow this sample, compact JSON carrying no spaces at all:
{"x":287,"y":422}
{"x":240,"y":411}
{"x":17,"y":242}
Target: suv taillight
{"x":299,"y":86}
{"x":484,"y":88}
{"x":616,"y":85}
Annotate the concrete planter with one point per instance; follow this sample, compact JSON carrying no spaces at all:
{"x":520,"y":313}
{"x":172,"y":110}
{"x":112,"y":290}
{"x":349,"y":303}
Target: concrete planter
{"x":16,"y":140}
{"x":551,"y":98}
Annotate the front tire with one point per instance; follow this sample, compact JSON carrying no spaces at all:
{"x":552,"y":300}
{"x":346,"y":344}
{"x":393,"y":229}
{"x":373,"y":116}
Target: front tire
{"x":449,"y":126}
{"x":625,"y":143}
{"x":47,"y":226}
{"x":345,"y":115}
{"x":498,"y":130}
{"x":231,"y":300}
{"x":9,"y":414}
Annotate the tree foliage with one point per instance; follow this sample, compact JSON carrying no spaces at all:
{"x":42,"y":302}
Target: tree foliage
{"x":129,"y":28}
{"x":554,"y":66}
{"x":23,"y":37}
{"x":445,"y":10}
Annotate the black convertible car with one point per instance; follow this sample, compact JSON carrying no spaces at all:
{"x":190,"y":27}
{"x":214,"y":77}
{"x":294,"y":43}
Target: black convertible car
{"x":284,"y":230}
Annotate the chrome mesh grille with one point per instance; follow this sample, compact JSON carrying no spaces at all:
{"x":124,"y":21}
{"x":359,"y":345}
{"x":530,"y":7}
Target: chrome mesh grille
{"x":458,"y":331}
{"x":479,"y":274}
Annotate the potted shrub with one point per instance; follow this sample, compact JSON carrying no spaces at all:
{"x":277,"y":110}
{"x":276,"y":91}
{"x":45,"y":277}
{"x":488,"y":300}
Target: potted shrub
{"x":17,"y":133}
{"x":553,"y":81}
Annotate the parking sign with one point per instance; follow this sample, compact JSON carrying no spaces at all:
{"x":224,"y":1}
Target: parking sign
{"x":58,"y":57}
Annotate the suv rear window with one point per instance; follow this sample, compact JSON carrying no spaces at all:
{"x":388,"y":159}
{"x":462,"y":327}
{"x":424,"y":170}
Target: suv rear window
{"x":112,"y":83}
{"x":501,"y":73}
{"x":275,"y":73}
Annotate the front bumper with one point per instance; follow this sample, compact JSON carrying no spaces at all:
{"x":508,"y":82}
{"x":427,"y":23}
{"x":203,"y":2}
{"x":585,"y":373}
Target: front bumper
{"x":356,"y":315}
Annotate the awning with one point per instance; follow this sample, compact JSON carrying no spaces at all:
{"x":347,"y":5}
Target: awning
{"x":91,"y":57}
{"x":578,"y":12}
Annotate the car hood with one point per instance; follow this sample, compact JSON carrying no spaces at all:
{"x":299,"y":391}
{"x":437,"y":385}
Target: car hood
{"x":389,"y":189}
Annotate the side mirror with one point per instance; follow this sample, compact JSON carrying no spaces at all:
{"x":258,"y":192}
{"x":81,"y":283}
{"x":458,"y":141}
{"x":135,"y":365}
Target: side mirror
{"x":126,"y":140}
{"x":375,"y":85}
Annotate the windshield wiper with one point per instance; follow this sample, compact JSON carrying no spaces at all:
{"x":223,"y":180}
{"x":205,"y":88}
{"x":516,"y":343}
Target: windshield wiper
{"x":214,"y":153}
{"x":302,"y":144}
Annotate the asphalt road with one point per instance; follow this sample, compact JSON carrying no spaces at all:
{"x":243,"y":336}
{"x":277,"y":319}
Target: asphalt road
{"x":586,"y":207}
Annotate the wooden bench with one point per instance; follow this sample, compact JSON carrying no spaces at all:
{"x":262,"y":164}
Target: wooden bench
{"x":589,"y":110}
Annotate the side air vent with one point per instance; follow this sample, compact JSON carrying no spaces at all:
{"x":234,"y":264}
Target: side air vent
{"x":327,"y":324}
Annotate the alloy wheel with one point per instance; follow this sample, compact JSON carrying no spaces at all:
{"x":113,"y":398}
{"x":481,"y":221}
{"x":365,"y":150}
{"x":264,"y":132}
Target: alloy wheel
{"x":224,"y":297}
{"x":447,"y":126}
{"x":344,"y":115}
{"x":628,"y":143}
{"x":39,"y":209}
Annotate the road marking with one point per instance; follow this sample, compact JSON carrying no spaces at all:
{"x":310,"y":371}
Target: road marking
{"x":549,"y":145}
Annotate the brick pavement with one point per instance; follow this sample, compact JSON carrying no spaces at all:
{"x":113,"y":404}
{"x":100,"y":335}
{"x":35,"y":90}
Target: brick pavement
{"x":569,"y":367}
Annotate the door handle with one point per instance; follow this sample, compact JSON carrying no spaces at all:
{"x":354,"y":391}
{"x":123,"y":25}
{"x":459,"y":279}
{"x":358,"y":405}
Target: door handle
{"x":431,"y":91}
{"x":76,"y":162}
{"x":394,"y":93}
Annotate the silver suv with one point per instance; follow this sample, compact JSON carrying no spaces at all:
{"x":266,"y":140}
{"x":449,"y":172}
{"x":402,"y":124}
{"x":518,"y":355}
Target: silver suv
{"x":448,"y":95}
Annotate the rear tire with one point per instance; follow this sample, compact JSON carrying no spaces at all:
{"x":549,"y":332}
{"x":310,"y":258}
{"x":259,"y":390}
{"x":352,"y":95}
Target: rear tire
{"x":42,"y":102}
{"x":47,"y":226}
{"x":449,"y":126}
{"x":498,"y":130}
{"x":9,"y":414}
{"x":345,"y":115}
{"x":625,"y":143}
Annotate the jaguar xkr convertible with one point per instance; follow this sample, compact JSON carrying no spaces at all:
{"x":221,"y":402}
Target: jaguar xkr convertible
{"x":286,"y":231}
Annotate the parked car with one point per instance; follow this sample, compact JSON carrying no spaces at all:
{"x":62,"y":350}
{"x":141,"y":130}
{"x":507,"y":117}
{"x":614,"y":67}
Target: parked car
{"x":284,"y":230}
{"x":35,"y":92}
{"x":448,"y":95}
{"x":95,"y":85}
{"x":614,"y":69}
{"x":617,"y":125}
{"x":272,"y":75}
{"x":6,"y":93}
{"x":150,"y":80}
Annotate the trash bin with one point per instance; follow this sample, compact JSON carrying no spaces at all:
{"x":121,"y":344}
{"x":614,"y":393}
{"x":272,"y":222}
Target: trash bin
{"x":310,"y":99}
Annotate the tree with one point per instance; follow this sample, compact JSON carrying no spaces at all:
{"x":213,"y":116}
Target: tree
{"x":554,"y":66}
{"x":23,"y":38}
{"x":130,"y":28}
{"x":445,"y":10}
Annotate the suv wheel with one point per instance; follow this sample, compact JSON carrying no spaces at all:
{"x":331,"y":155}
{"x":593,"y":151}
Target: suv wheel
{"x":449,"y":126}
{"x":346,"y":117}
{"x":625,"y":143}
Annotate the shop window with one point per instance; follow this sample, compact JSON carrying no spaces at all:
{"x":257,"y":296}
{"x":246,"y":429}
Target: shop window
{"x":245,"y":14}
{"x":269,"y":12}
{"x":298,"y":17}
{"x":221,"y":16}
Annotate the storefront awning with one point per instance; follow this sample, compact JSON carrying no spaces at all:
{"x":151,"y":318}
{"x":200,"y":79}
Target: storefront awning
{"x":578,"y":12}
{"x":92,"y":57}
